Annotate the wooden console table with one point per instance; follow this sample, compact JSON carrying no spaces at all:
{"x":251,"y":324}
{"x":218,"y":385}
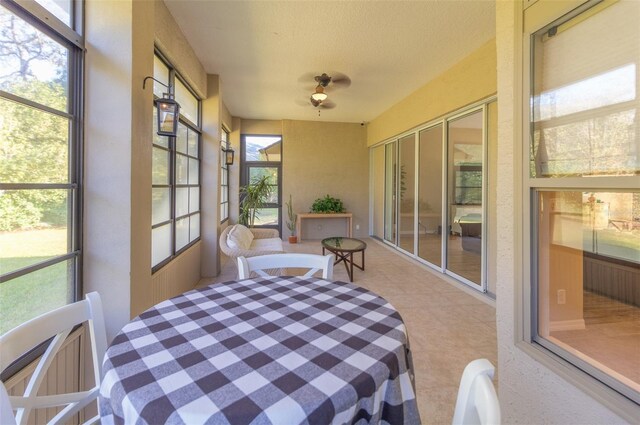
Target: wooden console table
{"x":301,"y":216}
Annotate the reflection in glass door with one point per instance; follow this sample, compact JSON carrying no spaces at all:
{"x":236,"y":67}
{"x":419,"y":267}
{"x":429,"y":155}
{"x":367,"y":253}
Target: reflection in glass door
{"x":407,"y":192}
{"x":465,"y":182}
{"x":430,"y":195}
{"x":390,"y":192}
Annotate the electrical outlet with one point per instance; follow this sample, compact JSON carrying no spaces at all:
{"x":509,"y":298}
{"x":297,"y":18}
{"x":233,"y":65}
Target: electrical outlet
{"x":357,"y":227}
{"x":562,"y":296}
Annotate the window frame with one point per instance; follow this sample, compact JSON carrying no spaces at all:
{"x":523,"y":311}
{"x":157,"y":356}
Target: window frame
{"x":224,"y":171}
{"x":196,"y":128}
{"x":70,"y":37}
{"x":540,"y":17}
{"x":245,"y":167}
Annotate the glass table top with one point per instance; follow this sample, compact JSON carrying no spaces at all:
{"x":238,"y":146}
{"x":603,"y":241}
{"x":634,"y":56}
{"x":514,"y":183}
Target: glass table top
{"x":344,"y":244}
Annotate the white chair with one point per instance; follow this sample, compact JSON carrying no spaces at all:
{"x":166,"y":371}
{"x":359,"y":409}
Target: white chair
{"x":57,"y":324}
{"x":6,"y":412}
{"x":277,"y":261}
{"x":477,"y":402}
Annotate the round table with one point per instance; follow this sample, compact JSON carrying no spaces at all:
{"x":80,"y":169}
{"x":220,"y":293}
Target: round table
{"x":278,"y":350}
{"x":343,"y":248}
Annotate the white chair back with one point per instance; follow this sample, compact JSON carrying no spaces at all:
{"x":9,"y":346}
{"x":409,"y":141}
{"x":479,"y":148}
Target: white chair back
{"x":477,"y":402}
{"x":261,"y":263}
{"x":57,"y":324}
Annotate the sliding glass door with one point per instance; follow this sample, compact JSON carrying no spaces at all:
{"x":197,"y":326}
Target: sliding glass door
{"x":430,"y":195}
{"x":390,"y":169}
{"x":407,"y":156}
{"x":465,"y":175}
{"x":434,"y":182}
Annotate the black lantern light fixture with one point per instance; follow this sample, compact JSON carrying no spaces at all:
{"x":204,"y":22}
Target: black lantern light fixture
{"x":228,"y":155}
{"x":168,"y":111}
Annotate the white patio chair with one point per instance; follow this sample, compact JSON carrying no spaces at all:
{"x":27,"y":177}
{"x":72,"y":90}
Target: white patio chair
{"x":277,"y":261}
{"x":477,"y":402}
{"x":55,"y":325}
{"x":6,"y":412}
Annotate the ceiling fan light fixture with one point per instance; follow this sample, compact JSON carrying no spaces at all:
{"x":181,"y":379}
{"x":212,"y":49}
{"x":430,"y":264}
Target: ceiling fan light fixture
{"x":319,"y":95}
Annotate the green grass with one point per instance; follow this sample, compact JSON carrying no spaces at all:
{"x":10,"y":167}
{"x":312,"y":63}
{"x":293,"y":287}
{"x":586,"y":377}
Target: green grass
{"x":35,"y":293}
{"x":30,"y":295}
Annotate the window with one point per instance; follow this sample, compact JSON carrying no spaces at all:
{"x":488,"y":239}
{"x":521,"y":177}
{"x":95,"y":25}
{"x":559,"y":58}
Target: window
{"x":261,"y":157}
{"x":224,"y":177}
{"x":582,"y":173}
{"x":175,"y":173}
{"x":40,"y":111}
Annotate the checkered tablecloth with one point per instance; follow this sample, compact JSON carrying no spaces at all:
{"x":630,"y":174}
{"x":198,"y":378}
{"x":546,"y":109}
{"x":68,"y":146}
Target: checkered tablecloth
{"x":280,"y":350}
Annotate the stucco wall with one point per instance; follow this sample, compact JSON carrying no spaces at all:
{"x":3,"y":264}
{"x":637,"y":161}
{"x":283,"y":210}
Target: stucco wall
{"x":468,"y":81}
{"x":173,"y":44}
{"x":319,"y":158}
{"x":323,"y":158}
{"x":117,"y":182}
{"x":529,"y":392}
{"x":107,"y":157}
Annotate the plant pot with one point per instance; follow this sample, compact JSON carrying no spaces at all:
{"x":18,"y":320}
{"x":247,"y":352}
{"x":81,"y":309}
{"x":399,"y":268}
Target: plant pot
{"x":293,"y":239}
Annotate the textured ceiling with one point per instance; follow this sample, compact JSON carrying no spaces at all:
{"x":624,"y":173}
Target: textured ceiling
{"x":261,"y":49}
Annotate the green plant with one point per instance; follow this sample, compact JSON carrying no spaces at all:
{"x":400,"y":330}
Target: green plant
{"x":253,"y":197}
{"x":291,"y":223}
{"x":327,"y":205}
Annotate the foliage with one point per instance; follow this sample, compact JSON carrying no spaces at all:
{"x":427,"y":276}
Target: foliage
{"x":291,"y":223}
{"x":253,"y":197}
{"x":327,"y":205}
{"x":34,"y":144}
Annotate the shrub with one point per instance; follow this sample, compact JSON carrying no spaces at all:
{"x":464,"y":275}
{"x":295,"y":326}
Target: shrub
{"x":327,"y":205}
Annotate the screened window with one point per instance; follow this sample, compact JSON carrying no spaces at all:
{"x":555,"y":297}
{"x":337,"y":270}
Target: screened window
{"x":39,"y":151}
{"x":224,"y":177}
{"x":175,"y":174}
{"x":583,"y":167}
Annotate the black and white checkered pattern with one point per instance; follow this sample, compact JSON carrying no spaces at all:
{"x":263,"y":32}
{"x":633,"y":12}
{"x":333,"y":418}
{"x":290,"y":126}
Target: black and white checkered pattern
{"x":280,"y":350}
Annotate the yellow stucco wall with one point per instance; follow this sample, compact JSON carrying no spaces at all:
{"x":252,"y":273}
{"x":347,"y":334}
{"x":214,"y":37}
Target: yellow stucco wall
{"x":320,"y":158}
{"x":470,"y":80}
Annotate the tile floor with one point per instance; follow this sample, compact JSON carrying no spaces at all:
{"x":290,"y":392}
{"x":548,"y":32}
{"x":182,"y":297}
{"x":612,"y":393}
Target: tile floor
{"x":447,"y":327}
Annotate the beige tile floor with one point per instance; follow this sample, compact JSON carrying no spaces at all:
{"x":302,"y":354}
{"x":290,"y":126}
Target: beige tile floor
{"x":447,"y":327}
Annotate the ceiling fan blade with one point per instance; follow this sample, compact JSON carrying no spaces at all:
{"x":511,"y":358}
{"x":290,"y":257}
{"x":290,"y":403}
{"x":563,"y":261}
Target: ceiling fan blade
{"x":327,"y":104}
{"x":340,"y":80}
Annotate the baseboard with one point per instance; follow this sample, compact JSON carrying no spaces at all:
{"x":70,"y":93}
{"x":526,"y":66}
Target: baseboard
{"x":566,"y":325}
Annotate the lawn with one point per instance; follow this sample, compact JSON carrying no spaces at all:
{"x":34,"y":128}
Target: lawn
{"x":30,"y":295}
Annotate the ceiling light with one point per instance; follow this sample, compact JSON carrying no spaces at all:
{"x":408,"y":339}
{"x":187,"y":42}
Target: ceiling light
{"x":319,"y":95}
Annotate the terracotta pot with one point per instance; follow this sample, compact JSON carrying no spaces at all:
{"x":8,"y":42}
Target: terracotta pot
{"x":293,"y":239}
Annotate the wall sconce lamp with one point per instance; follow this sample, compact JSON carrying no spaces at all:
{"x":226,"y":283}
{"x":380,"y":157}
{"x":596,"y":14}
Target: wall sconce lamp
{"x":228,"y":156}
{"x":168,"y":110}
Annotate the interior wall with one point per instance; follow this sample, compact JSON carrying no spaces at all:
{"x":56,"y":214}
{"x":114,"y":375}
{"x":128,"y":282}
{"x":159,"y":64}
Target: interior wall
{"x":120,"y":40}
{"x":529,"y":392}
{"x":174,"y":45}
{"x":107,"y":157}
{"x":326,"y":158}
{"x":311,"y":169}
{"x":210,"y":178}
{"x":468,"y":81}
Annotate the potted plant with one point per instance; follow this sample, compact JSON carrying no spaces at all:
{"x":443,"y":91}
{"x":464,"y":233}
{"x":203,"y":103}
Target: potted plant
{"x":253,"y":196}
{"x":291,"y":223}
{"x":327,"y":205}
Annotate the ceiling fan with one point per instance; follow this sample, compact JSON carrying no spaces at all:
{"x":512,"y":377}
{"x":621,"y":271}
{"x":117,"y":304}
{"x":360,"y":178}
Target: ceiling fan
{"x":318,"y":98}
